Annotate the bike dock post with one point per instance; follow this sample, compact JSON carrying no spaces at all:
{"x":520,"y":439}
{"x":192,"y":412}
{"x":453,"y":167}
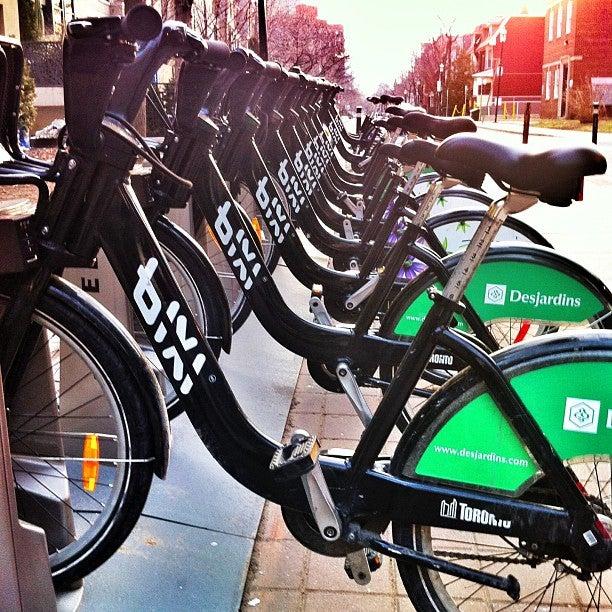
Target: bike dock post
{"x":25,"y":579}
{"x":526,"y":120}
{"x":595,"y":122}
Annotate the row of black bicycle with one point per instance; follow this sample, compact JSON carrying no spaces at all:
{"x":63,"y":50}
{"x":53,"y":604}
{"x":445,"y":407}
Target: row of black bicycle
{"x":512,"y":454}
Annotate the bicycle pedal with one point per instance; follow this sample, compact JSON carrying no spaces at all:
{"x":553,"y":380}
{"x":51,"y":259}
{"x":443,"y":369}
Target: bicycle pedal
{"x":298,"y":457}
{"x":301,"y":458}
{"x":360,"y":564}
{"x":317,"y":291}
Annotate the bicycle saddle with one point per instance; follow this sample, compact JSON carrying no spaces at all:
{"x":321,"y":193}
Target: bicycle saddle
{"x":402,"y":112}
{"x":556,"y":175}
{"x":389,"y":150}
{"x":425,"y":151}
{"x":437,"y":127}
{"x":385,"y":99}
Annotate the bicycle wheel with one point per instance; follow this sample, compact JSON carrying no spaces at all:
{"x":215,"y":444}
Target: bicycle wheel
{"x":205,"y":299}
{"x":511,"y":270}
{"x":239,"y":305}
{"x":550,"y":580}
{"x":454,"y":229}
{"x":81,"y":441}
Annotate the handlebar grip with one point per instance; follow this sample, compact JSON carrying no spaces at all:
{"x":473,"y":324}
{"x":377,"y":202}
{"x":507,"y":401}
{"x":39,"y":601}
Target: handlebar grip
{"x":273,"y":70}
{"x":218,"y":53}
{"x":141,"y":23}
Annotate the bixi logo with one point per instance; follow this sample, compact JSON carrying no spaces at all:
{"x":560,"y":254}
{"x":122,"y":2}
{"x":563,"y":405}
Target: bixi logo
{"x":495,"y":294}
{"x":581,"y":415}
{"x":149,"y":304}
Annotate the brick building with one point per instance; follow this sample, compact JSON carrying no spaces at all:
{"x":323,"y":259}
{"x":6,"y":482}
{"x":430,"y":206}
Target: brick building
{"x":508,"y":71}
{"x":577,"y":57}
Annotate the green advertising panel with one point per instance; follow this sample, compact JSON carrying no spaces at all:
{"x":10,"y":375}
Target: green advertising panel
{"x":572,"y":403}
{"x":505,"y":289}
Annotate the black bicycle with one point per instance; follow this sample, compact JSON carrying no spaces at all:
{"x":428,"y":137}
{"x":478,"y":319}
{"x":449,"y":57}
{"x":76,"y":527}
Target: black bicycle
{"x":532,"y":497}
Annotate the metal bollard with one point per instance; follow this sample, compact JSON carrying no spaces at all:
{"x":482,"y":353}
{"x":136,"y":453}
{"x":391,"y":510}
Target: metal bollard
{"x":595,"y":122}
{"x":358,"y":112}
{"x":526,"y":120}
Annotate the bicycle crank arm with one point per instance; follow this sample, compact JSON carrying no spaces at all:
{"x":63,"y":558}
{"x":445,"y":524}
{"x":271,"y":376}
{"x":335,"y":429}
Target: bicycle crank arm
{"x":371,"y":540}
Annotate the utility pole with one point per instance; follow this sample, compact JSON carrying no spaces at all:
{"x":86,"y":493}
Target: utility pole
{"x":263,"y":29}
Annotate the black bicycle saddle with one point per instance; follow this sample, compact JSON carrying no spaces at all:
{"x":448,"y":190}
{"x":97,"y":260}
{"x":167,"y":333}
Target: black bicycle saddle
{"x":428,"y":126}
{"x":425,"y":151}
{"x":402,"y":112}
{"x":385,"y":99}
{"x":555,"y":175}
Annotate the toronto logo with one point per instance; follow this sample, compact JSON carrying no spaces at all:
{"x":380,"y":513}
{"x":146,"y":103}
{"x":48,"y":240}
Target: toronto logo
{"x":471,"y":515}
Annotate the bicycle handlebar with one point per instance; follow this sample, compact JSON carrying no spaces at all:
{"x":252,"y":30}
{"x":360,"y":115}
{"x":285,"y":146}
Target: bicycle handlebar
{"x":141,"y":23}
{"x":174,"y":39}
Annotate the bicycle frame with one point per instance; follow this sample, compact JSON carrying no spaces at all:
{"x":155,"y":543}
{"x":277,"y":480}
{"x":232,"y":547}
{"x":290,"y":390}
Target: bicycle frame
{"x":359,"y":487}
{"x":362,"y":491}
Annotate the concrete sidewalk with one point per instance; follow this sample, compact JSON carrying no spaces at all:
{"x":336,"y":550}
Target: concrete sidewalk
{"x":192,"y":546}
{"x":516,"y":127}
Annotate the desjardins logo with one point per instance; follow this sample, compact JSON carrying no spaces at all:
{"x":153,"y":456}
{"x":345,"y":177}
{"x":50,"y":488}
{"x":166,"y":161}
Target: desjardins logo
{"x":498,"y":295}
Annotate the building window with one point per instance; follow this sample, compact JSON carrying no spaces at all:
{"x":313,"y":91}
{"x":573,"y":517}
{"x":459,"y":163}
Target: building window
{"x":548,"y":83}
{"x":559,"y":20}
{"x":551,"y":23}
{"x":568,"y":17}
{"x":556,"y":84}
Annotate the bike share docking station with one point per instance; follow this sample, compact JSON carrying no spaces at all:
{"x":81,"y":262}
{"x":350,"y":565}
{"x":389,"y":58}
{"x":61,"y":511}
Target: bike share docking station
{"x":25,"y":579}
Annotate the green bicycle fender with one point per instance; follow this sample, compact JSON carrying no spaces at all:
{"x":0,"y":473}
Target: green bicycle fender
{"x":519,"y":289}
{"x":572,"y":404}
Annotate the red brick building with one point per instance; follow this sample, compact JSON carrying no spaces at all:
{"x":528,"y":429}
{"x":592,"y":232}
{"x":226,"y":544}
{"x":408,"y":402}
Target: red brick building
{"x":577,"y":56}
{"x":509,"y":60}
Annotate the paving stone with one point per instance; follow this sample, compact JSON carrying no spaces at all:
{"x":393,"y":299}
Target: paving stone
{"x":272,"y":600}
{"x":317,"y":601}
{"x":272,"y":525}
{"x":277,"y":564}
{"x":308,"y":402}
{"x":327,"y":574}
{"x":312,"y":423}
{"x":342,"y":427}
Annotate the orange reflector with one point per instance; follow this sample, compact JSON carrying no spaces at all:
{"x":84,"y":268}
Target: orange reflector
{"x":258,"y":229}
{"x":211,"y":234}
{"x":91,"y":465}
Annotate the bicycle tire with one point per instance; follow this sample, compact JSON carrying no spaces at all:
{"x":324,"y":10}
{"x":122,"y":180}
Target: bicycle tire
{"x":430,"y":590}
{"x":102,"y":376}
{"x":238,"y":303}
{"x":504,"y":330}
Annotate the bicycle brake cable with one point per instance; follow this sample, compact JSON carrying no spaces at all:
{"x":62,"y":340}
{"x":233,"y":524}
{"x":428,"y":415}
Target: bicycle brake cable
{"x":137,"y":142}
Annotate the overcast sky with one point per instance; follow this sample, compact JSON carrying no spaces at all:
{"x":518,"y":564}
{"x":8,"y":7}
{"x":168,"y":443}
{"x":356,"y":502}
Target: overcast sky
{"x":382,"y":35}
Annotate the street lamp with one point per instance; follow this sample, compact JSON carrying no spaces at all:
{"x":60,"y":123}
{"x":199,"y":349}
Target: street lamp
{"x":500,"y":69}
